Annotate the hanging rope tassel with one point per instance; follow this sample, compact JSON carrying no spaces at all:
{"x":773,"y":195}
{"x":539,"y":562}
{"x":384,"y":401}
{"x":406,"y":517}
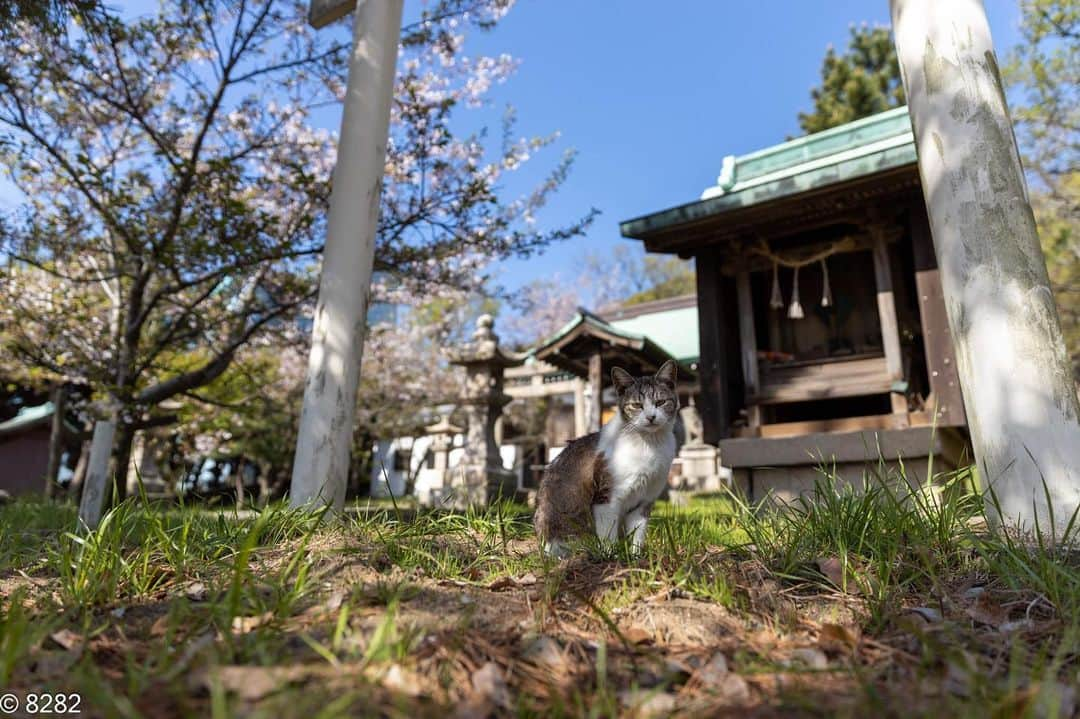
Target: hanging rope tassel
{"x":777,"y":299}
{"x":826,"y":291}
{"x":795,"y":311}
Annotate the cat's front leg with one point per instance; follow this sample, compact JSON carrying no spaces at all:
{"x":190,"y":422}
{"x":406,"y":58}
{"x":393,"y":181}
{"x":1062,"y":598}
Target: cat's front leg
{"x":637,"y":523}
{"x":607,"y":518}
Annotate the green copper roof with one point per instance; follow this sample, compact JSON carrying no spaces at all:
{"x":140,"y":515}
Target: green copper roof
{"x":27,"y":418}
{"x":864,"y":147}
{"x":676,"y":331}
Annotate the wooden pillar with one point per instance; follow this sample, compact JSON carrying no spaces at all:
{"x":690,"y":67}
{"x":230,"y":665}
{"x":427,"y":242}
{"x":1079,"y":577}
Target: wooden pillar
{"x":713,"y":364}
{"x":56,"y":442}
{"x":748,"y":346}
{"x":594,"y":409}
{"x":890,"y":330}
{"x":580,"y":425}
{"x":946,"y":401}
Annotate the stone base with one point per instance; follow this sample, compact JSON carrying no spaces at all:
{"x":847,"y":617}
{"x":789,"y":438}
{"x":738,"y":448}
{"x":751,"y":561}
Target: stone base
{"x":480,"y":486}
{"x":700,"y":469}
{"x":786,"y":484}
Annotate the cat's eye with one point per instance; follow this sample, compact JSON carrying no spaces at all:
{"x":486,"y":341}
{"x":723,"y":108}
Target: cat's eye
{"x":633,"y":406}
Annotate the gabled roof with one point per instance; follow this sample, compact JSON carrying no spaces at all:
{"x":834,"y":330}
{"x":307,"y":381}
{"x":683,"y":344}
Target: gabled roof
{"x":671,"y":323}
{"x":586,"y":333}
{"x":847,"y":155}
{"x":31,"y":417}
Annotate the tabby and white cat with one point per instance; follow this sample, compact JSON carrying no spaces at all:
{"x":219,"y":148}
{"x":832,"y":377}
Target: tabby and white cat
{"x":608,"y":481}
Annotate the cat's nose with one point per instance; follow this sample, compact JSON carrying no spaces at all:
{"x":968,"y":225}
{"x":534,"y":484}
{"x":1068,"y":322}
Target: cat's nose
{"x":651,"y":417}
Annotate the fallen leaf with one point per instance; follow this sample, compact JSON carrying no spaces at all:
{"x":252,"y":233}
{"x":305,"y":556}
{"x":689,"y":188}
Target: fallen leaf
{"x":160,"y":627}
{"x":243,"y":625}
{"x":527,"y":580}
{"x":637,"y":635}
{"x":833,"y":569}
{"x":837,"y":638}
{"x":988,"y":612}
{"x":68,"y":640}
{"x":119,"y":612}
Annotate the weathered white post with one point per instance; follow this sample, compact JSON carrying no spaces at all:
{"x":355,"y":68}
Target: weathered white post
{"x":1014,"y":371}
{"x":97,"y":487}
{"x":321,"y":464}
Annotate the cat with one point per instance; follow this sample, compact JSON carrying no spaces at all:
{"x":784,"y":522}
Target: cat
{"x":607,"y":481}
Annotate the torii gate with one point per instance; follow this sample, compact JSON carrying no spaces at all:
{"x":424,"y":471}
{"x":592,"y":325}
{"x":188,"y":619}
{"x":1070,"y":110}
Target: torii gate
{"x":1013,"y":367}
{"x":321,"y":464}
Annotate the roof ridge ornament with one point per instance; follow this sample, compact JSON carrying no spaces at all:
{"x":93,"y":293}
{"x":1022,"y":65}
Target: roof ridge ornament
{"x":728,"y":174}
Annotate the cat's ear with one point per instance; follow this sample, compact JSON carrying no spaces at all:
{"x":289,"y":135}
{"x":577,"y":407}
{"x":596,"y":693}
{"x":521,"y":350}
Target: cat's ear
{"x":621,"y":379}
{"x":666,"y":373}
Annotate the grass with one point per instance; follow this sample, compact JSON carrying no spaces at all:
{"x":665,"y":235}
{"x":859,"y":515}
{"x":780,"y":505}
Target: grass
{"x":843,"y":602}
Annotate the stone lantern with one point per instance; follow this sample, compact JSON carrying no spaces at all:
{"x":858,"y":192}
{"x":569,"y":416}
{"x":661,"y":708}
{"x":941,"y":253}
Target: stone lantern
{"x":433,"y":483}
{"x":480,"y":478}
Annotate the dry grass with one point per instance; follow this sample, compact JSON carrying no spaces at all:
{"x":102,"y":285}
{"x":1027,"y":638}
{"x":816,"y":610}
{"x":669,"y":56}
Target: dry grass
{"x":844,"y":605}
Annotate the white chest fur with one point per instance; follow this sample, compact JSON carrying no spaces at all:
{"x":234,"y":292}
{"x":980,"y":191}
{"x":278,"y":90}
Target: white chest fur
{"x":639,"y":463}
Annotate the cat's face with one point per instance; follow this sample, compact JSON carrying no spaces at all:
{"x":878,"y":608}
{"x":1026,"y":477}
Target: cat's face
{"x":648,"y":404}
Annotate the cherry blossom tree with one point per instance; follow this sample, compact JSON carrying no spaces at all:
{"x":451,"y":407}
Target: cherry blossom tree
{"x":175,"y":182}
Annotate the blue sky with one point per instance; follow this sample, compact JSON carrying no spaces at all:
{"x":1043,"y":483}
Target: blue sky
{"x":654,"y":94}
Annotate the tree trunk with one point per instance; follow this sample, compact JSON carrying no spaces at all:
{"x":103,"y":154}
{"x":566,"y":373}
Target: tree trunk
{"x":56,"y":442}
{"x":125,"y":436}
{"x":74,"y":489}
{"x":1015,"y":374}
{"x":321,"y":467}
{"x":239,"y":484}
{"x":264,"y":483}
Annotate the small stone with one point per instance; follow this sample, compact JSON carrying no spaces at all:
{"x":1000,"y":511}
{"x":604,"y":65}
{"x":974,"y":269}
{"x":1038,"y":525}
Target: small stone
{"x":929,"y":614}
{"x":399,"y":680}
{"x":810,"y":657}
{"x":196,"y":591}
{"x":488,"y":682}
{"x":648,"y":704}
{"x":713,"y":673}
{"x":545,"y":651}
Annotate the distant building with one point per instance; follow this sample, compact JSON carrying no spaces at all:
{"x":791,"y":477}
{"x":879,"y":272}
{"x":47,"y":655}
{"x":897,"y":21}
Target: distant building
{"x":24,"y":450}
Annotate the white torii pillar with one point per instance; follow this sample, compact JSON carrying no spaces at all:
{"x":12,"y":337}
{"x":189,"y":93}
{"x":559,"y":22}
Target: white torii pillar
{"x":321,"y":464}
{"x":1018,"y":386}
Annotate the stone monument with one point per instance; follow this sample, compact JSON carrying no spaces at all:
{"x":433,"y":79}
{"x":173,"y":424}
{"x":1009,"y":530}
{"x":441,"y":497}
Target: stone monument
{"x":481,"y":478}
{"x":701,"y":471}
